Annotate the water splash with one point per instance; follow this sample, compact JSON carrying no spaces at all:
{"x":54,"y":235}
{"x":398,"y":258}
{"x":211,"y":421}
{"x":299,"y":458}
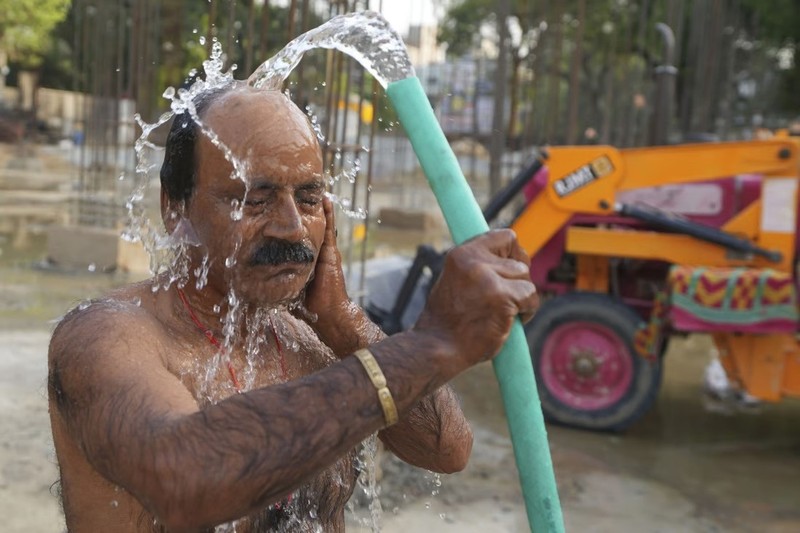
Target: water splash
{"x":366,"y":37}
{"x":257,"y":324}
{"x":231,"y":260}
{"x":201,"y":273}
{"x":368,"y":484}
{"x":345,"y":204}
{"x":163,"y":248}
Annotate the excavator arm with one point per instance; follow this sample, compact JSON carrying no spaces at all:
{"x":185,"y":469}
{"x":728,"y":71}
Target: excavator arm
{"x":586,"y":181}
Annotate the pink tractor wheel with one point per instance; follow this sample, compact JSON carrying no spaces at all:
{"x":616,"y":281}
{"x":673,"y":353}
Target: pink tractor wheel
{"x":587,"y":371}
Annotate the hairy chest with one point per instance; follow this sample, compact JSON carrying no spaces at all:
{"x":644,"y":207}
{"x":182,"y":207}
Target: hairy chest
{"x":268,"y":352}
{"x":277,"y":352}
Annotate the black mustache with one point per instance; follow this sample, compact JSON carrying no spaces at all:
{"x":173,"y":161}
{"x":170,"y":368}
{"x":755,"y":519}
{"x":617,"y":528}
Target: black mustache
{"x":278,"y":252}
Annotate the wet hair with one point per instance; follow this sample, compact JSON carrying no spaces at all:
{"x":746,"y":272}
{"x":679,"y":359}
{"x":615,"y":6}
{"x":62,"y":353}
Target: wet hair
{"x":178,"y":171}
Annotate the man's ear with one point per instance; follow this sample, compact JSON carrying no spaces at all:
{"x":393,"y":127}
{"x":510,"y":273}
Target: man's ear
{"x":170,"y":213}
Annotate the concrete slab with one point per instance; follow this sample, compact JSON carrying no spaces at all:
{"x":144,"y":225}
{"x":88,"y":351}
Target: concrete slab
{"x":83,"y":247}
{"x":96,"y":249}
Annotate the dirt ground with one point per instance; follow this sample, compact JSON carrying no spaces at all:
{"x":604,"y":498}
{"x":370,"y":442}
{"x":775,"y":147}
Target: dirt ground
{"x":682,"y":468}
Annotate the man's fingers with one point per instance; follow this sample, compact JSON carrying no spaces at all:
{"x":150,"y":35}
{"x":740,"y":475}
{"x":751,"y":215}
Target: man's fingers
{"x":330,"y":222}
{"x":526,"y":317}
{"x":329,"y":252}
{"x":519,"y":254}
{"x":503,"y":243}
{"x":511,"y":268}
{"x":498,"y":241}
{"x":524,"y":297}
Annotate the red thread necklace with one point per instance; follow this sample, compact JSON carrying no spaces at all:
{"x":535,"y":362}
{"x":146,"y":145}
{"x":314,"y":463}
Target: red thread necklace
{"x":213,"y":340}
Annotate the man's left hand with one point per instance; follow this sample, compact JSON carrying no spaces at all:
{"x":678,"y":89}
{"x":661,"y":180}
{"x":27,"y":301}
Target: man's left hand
{"x":330,"y":309}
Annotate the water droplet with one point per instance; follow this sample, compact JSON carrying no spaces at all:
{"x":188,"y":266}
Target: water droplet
{"x":216,"y":309}
{"x":427,"y":505}
{"x":442,"y":516}
{"x":237,"y":210}
{"x":169,"y":93}
{"x":114,"y":504}
{"x":201,"y":40}
{"x":92,"y":267}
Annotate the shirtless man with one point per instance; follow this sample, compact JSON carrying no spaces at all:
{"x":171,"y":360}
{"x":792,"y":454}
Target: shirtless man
{"x":144,"y":444}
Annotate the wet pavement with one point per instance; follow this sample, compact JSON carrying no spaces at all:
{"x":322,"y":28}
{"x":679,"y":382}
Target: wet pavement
{"x":683,"y":467}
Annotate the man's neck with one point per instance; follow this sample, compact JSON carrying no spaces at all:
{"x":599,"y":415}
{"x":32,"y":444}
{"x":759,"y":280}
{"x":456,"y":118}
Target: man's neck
{"x":210,"y":309}
{"x":205,"y":310}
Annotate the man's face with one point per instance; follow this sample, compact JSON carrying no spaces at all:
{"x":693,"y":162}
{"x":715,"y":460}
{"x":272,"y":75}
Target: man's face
{"x":272,"y":249}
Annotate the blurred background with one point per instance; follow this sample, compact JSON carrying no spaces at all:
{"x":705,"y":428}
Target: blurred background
{"x":621,"y":72}
{"x":505,"y":77}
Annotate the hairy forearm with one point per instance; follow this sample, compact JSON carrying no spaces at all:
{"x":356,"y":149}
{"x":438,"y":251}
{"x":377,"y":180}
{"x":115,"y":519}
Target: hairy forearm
{"x":253,"y":449}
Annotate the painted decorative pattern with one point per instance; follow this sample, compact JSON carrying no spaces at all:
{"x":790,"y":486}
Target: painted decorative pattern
{"x":718,"y":299}
{"x":730,"y":297}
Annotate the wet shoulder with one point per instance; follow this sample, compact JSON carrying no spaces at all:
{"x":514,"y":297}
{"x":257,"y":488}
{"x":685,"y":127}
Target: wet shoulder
{"x":100,"y":323}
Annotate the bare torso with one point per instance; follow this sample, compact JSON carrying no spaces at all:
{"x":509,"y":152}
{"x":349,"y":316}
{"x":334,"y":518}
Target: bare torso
{"x":93,"y":503}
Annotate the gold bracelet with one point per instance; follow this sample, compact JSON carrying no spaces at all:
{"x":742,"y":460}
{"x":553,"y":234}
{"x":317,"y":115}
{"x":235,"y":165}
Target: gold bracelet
{"x":379,"y":381}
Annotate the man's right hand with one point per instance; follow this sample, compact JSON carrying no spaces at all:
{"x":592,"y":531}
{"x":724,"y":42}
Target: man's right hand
{"x":484,"y":285}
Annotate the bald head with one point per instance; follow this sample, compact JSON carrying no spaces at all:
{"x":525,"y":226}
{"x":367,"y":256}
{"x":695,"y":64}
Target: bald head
{"x":241,"y":115}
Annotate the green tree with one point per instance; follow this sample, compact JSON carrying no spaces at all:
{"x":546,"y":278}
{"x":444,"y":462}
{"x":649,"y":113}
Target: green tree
{"x":777,"y":22}
{"x":465,"y":20}
{"x":25,"y":28}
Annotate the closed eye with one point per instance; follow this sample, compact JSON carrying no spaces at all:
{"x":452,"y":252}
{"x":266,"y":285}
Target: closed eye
{"x":309,"y":200}
{"x":310,"y":193}
{"x":255,"y":201}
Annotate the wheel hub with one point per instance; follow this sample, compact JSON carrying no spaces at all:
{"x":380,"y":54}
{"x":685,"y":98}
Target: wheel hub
{"x":585,"y":363}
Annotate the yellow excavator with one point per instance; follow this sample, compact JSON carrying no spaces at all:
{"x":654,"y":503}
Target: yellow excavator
{"x":631,"y":246}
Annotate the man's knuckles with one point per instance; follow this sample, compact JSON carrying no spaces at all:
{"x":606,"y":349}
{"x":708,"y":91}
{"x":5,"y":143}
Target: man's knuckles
{"x":517,"y":269}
